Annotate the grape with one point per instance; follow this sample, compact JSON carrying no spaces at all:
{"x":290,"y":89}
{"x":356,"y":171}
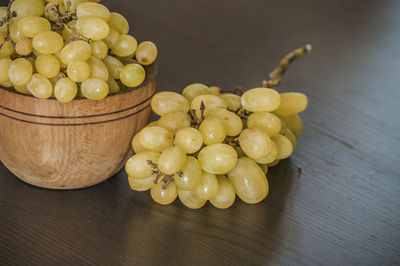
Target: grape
{"x":171,"y":160}
{"x":132,"y":75}
{"x":97,"y":68}
{"x":174,"y":121}
{"x":20,"y":71}
{"x":30,"y":26}
{"x":155,"y":138}
{"x":47,"y":42}
{"x":164,"y":196}
{"x":208,"y":186}
{"x":226,"y":195}
{"x":217,"y":158}
{"x":264,"y":167}
{"x":40,"y":86}
{"x":113,"y":86}
{"x":188,"y":139}
{"x":292,"y":103}
{"x":285,"y":147}
{"x":73,"y":4}
{"x":118,"y":23}
{"x":7,"y":84}
{"x":65,"y":90}
{"x":166,"y":101}
{"x":22,"y":89}
{"x":51,"y":14}
{"x":255,"y":143}
{"x":294,"y":123}
{"x":114,"y":66}
{"x":260,"y":100}
{"x":271,"y":155}
{"x":92,"y":27}
{"x":215,"y":90}
{"x":141,"y":184}
{"x":210,"y":102}
{"x":94,"y":89}
{"x":193,"y":90}
{"x":69,"y":31}
{"x":23,"y":46}
{"x":15,"y":33}
{"x":90,"y":9}
{"x":136,"y":145}
{"x":274,"y":163}
{"x":26,"y":8}
{"x":76,"y":50}
{"x":249,"y":181}
{"x":126,"y":46}
{"x":212,"y":131}
{"x":191,"y":174}
{"x":7,"y":49}
{"x":112,"y":38}
{"x":138,"y":167}
{"x":146,"y":53}
{"x":47,"y":65}
{"x":231,"y":122}
{"x":99,"y":49}
{"x":269,"y":123}
{"x":191,"y":199}
{"x":5,"y":64}
{"x":232,"y":101}
{"x":78,"y":71}
{"x":290,"y":136}
{"x":54,"y":80}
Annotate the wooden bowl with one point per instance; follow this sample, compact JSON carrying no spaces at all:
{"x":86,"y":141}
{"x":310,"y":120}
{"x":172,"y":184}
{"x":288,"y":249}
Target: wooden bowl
{"x":72,"y":145}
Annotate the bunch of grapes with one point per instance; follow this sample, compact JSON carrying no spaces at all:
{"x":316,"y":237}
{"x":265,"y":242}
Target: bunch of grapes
{"x":212,"y":146}
{"x":69,"y":48}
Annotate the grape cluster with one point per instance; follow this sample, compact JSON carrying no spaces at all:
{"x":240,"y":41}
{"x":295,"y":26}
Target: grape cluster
{"x":211,"y":146}
{"x":69,"y":48}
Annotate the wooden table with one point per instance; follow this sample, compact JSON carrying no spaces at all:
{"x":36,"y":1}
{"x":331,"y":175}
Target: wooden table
{"x":344,"y":209}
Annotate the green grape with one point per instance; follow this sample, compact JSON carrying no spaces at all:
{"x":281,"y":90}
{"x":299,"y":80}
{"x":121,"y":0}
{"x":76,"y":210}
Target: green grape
{"x":292,"y":103}
{"x":30,"y":26}
{"x":99,"y":49}
{"x":136,"y":145}
{"x":40,"y":86}
{"x":269,"y":123}
{"x":24,"y":46}
{"x":26,"y":8}
{"x":114,"y":66}
{"x":90,"y":9}
{"x":74,"y":51}
{"x":171,"y":160}
{"x":146,"y":53}
{"x":174,"y":121}
{"x":112,"y":38}
{"x":191,"y":199}
{"x":7,"y":49}
{"x":92,"y":27}
{"x":294,"y":123}
{"x":113,"y":86}
{"x":255,"y":143}
{"x":15,"y":33}
{"x":155,"y":138}
{"x":285,"y":147}
{"x":208,"y":186}
{"x":290,"y":136}
{"x":65,"y":90}
{"x":212,"y":131}
{"x":20,"y":71}
{"x":78,"y":71}
{"x":167,"y":101}
{"x":226,"y":194}
{"x":94,"y":88}
{"x":69,"y":31}
{"x":215,"y":90}
{"x":132,"y":75}
{"x":97,"y":68}
{"x":188,"y":139}
{"x":47,"y":42}
{"x":217,"y":158}
{"x":22,"y":89}
{"x":47,"y":65}
{"x":138,"y":167}
{"x":141,"y":184}
{"x":193,"y":90}
{"x":190,"y":176}
{"x":271,"y":156}
{"x":5,"y":64}
{"x":261,"y":100}
{"x":231,"y":122}
{"x":118,"y":23}
{"x":249,"y":181}
{"x":51,"y":14}
{"x":164,"y":196}
{"x":3,"y":14}
{"x":232,"y":101}
{"x":126,"y":46}
{"x":210,"y":102}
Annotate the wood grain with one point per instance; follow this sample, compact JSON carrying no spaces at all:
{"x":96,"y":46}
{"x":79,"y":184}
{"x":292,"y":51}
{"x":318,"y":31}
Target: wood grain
{"x":343,"y":209}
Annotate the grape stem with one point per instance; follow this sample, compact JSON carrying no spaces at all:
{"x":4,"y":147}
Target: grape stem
{"x":166,"y":179}
{"x":276,"y":75}
{"x":6,"y":19}
{"x":200,"y":119}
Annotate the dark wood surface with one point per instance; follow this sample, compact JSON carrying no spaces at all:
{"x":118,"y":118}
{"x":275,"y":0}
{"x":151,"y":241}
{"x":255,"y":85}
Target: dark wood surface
{"x":343,"y":209}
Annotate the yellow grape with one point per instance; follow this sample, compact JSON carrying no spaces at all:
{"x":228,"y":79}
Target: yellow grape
{"x":290,"y":136}
{"x":5,"y":64}
{"x":269,"y":123}
{"x":65,"y":90}
{"x":285,"y":147}
{"x":212,"y":131}
{"x":112,"y":38}
{"x":261,"y":100}
{"x":138,"y":167}
{"x":146,"y":53}
{"x":249,"y":181}
{"x":171,"y":160}
{"x":141,"y":184}
{"x":118,"y":23}
{"x":208,"y":186}
{"x":99,"y":49}
{"x":48,"y":42}
{"x":74,"y":51}
{"x":191,"y":199}
{"x":54,"y":80}
{"x":292,"y":103}
{"x":136,"y":145}
{"x":232,"y":101}
{"x":125,"y":47}
{"x":73,"y":4}
{"x":283,"y":128}
{"x":191,"y":174}
{"x":174,"y":121}
{"x":24,"y":46}
{"x":78,"y":71}
{"x":294,"y":123}
{"x":167,"y":101}
{"x":155,"y":138}
{"x":164,"y":196}
{"x":113,"y":86}
{"x":210,"y":102}
{"x":97,"y":68}
{"x":15,"y":33}
{"x":193,"y":90}
{"x":114,"y":66}
{"x":215,"y":90}
{"x":40,"y":86}
{"x":217,"y":158}
{"x":26,"y":8}
{"x":50,"y":14}
{"x":94,"y":88}
{"x":7,"y":84}
{"x":271,"y":156}
{"x":188,"y":139}
{"x":20,"y":71}
{"x":69,"y":31}
{"x":30,"y":26}
{"x":255,"y":143}
{"x":264,"y":167}
{"x":90,"y":9}
{"x":47,"y":65}
{"x":7,"y":49}
{"x":226,"y":194}
{"x":22,"y":89}
{"x":92,"y":27}
{"x":132,"y":75}
{"x":274,"y":163}
{"x":231,"y":122}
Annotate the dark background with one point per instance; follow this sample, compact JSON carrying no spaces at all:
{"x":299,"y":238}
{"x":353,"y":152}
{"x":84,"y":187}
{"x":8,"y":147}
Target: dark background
{"x":342,"y":210}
